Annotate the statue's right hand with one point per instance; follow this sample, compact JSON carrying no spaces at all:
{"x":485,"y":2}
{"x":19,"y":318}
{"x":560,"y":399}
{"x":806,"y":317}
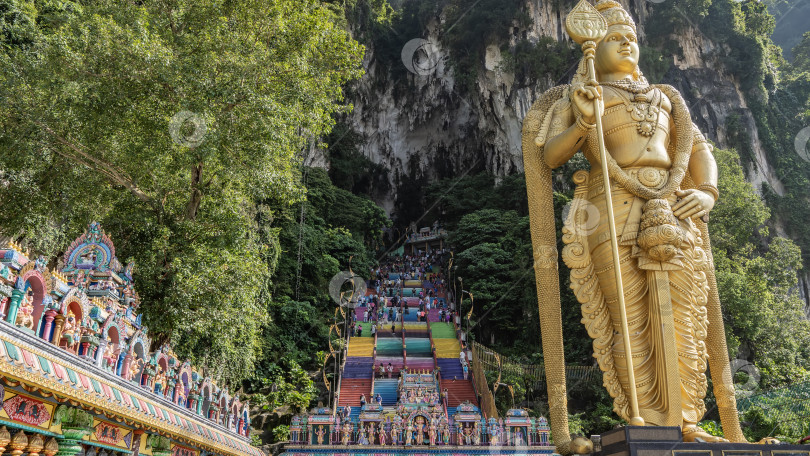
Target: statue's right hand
{"x":583,"y":96}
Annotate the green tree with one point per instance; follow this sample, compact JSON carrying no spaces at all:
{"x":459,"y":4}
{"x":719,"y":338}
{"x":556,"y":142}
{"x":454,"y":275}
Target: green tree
{"x":757,"y":278}
{"x":88,"y":101}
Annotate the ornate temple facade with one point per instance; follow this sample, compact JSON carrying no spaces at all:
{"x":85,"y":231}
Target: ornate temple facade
{"x":76,"y":373}
{"x":418,"y":421}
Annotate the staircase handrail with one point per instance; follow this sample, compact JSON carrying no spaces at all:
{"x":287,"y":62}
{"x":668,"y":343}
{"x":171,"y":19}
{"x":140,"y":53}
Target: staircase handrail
{"x":373,"y":363}
{"x":535,"y":371}
{"x":345,"y":354}
{"x":432,"y":346}
{"x":481,"y":387}
{"x":402,"y":331}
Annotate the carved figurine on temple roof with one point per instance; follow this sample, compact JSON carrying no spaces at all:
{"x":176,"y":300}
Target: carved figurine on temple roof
{"x":25,"y":314}
{"x":135,"y":367}
{"x":69,"y":329}
{"x":641,"y":262}
{"x":88,"y":258}
{"x":160,"y":380}
{"x":109,"y":353}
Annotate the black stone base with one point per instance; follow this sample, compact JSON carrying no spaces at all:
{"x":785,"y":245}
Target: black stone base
{"x":668,"y":441}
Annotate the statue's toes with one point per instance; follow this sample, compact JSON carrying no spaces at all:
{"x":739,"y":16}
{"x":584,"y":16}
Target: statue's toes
{"x":769,"y":441}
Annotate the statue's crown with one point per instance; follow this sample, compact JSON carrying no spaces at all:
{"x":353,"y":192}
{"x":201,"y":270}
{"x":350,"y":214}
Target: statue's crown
{"x":614,"y":14}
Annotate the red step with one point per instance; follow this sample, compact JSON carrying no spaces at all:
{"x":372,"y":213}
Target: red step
{"x":351,"y":389}
{"x":459,"y":391}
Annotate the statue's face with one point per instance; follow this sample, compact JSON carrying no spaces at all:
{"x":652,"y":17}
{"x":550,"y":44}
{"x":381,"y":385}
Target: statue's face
{"x":618,"y":51}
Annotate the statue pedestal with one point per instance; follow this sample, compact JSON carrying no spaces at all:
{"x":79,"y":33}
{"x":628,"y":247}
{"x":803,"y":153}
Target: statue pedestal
{"x":667,"y":441}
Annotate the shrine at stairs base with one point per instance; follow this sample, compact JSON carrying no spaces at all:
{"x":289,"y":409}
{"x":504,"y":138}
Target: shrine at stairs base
{"x":402,"y":450}
{"x":405,"y":386}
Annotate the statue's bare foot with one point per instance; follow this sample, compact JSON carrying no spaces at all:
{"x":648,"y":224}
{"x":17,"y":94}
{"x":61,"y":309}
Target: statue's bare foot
{"x":692,"y":433}
{"x":769,"y":441}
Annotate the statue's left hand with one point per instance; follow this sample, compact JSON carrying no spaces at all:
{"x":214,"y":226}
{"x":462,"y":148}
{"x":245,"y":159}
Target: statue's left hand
{"x":692,"y":203}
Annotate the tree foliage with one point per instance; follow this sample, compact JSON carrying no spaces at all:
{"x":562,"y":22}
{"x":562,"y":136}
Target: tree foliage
{"x":757,"y":278}
{"x":89,"y":92}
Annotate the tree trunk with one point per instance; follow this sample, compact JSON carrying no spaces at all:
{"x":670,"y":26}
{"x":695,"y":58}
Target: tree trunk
{"x":196,"y":194}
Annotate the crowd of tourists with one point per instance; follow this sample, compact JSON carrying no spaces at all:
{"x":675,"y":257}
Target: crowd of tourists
{"x":385,"y":304}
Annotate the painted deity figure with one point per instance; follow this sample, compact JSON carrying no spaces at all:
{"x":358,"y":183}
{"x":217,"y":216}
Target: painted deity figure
{"x":109,"y":354}
{"x":519,"y":438}
{"x":432,"y":434}
{"x":69,"y":329}
{"x":476,"y":435}
{"x":446,"y":434}
{"x":495,"y":435}
{"x":25,"y":314}
{"x":663,"y":181}
{"x":395,"y":434}
{"x":347,"y":430}
{"x":409,"y":435}
{"x":320,"y":433}
{"x":160,"y":380}
{"x":135,"y":367}
{"x":381,"y":433}
{"x":420,"y":430}
{"x":361,"y":436}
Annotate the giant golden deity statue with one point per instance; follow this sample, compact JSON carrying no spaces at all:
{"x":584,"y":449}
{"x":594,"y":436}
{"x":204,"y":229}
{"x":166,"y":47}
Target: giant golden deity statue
{"x":646,"y":236}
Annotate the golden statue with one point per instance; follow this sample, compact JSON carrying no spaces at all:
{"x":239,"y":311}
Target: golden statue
{"x":650,"y":227}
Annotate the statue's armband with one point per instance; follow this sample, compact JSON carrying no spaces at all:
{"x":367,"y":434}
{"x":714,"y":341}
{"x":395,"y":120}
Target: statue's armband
{"x":558,"y":120}
{"x":700,"y":142}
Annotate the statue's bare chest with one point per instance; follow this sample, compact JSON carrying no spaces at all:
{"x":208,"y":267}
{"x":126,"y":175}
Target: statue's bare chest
{"x":636,"y":126}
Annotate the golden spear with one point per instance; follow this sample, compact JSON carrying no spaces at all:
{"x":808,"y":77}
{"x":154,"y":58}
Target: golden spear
{"x":585,"y":25}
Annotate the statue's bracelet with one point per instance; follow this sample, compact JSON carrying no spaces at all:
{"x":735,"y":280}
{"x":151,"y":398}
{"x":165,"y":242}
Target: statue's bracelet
{"x":584,"y":126}
{"x":709,"y":188}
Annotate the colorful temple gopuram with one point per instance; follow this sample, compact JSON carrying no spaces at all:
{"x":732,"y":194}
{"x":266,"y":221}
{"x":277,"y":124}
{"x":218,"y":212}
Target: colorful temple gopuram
{"x":76,"y":374}
{"x":404,"y":388}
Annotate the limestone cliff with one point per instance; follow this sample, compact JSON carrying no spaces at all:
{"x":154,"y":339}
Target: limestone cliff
{"x":420,"y":124}
{"x":417,"y":120}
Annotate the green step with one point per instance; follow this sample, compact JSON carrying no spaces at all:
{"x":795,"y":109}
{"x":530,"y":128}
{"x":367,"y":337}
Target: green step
{"x":443,"y":330}
{"x":418,"y":347}
{"x":389,"y":347}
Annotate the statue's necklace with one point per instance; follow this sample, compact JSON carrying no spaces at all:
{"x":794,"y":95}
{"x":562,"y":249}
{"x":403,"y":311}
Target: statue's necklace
{"x":644,"y":108}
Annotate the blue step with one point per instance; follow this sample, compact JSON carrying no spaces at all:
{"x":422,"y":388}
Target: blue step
{"x":450,"y":367}
{"x":353,"y":416}
{"x":418,"y":347}
{"x":357,"y":367}
{"x":387,"y":388}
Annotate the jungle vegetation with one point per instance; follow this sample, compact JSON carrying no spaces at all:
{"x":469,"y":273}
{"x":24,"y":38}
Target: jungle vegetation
{"x":235,"y":239}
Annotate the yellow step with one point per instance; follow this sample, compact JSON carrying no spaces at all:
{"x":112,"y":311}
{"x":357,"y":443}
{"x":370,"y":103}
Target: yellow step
{"x":361,"y":346}
{"x":446,"y":348}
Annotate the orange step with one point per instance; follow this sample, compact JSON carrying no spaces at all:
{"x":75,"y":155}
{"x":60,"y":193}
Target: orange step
{"x":459,"y":391}
{"x":351,"y":389}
